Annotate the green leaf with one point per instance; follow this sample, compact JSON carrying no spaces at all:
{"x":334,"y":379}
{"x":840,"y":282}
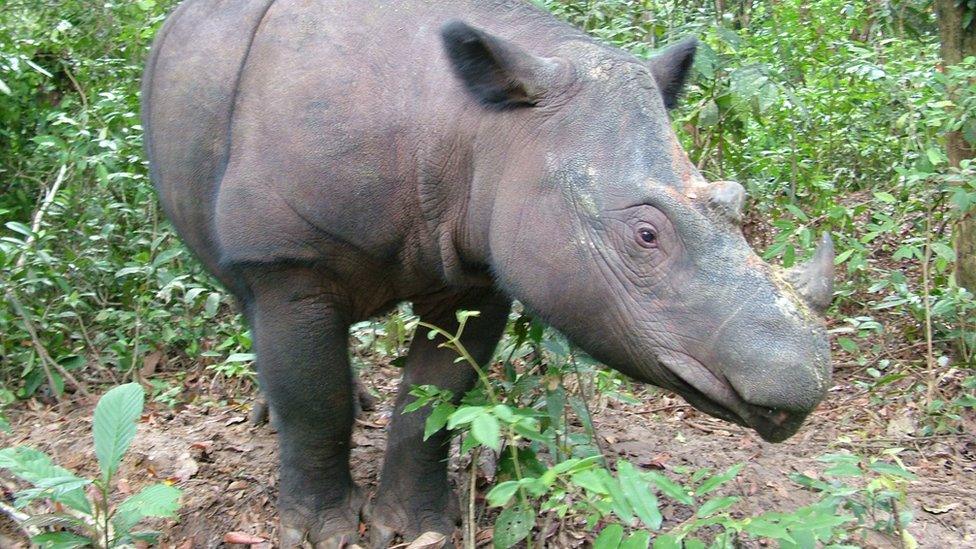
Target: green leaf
{"x":716,"y":504}
{"x":61,"y":540}
{"x":19,"y":227}
{"x":670,"y":488}
{"x":437,"y":418}
{"x":714,"y":482}
{"x":944,"y":251}
{"x":487,"y":430}
{"x":847,"y":344}
{"x":513,"y":525}
{"x":52,"y":519}
{"x":610,"y":537}
{"x":637,"y":540}
{"x":463,"y":415}
{"x":590,"y":480}
{"x":761,"y":527}
{"x":114,"y":425}
{"x":502,"y":493}
{"x":885,"y":197}
{"x":618,"y":501}
{"x":157,"y":500}
{"x":36,"y":467}
{"x":667,"y":541}
{"x":891,"y":469}
{"x":638,"y":495}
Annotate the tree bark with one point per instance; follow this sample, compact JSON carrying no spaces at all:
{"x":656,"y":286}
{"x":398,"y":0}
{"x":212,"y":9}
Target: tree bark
{"x":957,"y":44}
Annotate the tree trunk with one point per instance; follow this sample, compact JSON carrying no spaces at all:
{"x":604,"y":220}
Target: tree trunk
{"x":957,"y":44}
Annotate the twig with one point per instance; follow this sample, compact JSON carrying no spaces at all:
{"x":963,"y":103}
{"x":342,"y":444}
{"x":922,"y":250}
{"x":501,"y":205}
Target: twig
{"x":77,"y":86}
{"x":39,"y":214}
{"x":472,"y":491}
{"x":42,"y":353}
{"x":19,"y":519}
{"x":926,"y":287}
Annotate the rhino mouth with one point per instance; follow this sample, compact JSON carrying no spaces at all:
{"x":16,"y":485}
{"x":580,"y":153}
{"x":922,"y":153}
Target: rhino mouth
{"x":713,"y":394}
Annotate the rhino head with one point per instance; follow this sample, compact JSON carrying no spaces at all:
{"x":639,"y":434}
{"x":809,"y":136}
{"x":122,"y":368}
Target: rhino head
{"x":599,"y":222}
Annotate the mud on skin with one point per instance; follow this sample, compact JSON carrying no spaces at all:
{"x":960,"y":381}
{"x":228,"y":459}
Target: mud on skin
{"x":325,"y":163}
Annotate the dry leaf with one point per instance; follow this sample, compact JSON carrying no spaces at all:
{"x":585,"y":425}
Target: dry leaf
{"x":428,"y":540}
{"x":242,"y":538}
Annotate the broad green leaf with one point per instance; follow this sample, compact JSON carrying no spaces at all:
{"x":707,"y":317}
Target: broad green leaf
{"x":639,"y":495}
{"x":437,"y":418}
{"x":19,"y":227}
{"x":487,"y":430}
{"x":761,"y":527}
{"x":464,"y":414}
{"x":847,"y":344}
{"x":891,"y":469}
{"x":36,"y":467}
{"x":52,"y":519}
{"x":609,"y":538}
{"x":714,"y":482}
{"x":667,"y":541}
{"x":61,"y":540}
{"x":716,"y":504}
{"x":157,"y":500}
{"x":618,"y":501}
{"x":114,"y":425}
{"x":502,"y":493}
{"x":670,"y":488}
{"x":885,"y":197}
{"x":591,"y":481}
{"x":512,"y":526}
{"x":637,"y":540}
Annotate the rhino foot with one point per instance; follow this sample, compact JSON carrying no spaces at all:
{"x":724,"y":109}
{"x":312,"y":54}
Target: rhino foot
{"x":390,"y":518}
{"x":332,"y":528}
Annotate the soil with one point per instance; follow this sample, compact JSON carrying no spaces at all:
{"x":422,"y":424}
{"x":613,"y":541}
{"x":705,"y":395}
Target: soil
{"x":226,"y":467}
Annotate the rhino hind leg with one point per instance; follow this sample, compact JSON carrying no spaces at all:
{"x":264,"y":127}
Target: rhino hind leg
{"x":261,"y":412}
{"x":300,"y":336}
{"x":414,"y":495}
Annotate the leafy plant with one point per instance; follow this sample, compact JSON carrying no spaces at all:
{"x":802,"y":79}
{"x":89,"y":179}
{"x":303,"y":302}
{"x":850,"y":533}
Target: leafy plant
{"x":538,"y":477}
{"x":82,"y":512}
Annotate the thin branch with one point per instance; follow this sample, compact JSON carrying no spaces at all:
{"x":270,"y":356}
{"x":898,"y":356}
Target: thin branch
{"x":46,"y":360}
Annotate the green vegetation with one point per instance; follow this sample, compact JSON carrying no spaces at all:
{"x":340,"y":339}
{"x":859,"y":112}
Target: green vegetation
{"x":835,"y":114}
{"x":546,"y":468}
{"x":84,"y":507}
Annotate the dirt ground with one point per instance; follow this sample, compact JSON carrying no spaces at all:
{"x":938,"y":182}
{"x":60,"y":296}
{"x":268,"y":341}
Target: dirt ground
{"x":226,"y":467}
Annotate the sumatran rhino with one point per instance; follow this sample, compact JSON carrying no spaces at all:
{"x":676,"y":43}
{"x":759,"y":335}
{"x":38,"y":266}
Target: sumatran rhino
{"x":327,"y":159}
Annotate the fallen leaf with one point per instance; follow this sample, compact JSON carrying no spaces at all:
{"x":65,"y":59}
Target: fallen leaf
{"x":242,"y":538}
{"x":150,"y":362}
{"x":235,"y":420}
{"x":187,"y":468}
{"x":940,"y":509}
{"x":428,"y":540}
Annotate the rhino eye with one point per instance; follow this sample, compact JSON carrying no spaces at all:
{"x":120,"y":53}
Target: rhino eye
{"x":647,"y":237}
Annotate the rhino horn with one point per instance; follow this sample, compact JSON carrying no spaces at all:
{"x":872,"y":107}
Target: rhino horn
{"x":814,"y":280}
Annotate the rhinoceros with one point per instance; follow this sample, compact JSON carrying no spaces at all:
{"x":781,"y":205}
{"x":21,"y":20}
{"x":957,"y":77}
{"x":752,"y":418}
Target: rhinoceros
{"x":328,"y":159}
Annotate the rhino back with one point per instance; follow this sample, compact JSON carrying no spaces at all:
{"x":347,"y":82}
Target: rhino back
{"x":300,"y":130}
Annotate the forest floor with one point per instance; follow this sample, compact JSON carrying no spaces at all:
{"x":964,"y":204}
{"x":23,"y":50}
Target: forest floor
{"x":226,"y":467}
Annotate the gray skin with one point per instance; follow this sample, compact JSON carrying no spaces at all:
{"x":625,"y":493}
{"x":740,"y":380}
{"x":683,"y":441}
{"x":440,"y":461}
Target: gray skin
{"x":329,"y":159}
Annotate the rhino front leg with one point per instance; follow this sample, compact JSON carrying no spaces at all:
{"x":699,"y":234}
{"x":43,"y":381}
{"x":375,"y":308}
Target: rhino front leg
{"x":414,"y":494}
{"x":300,"y":330}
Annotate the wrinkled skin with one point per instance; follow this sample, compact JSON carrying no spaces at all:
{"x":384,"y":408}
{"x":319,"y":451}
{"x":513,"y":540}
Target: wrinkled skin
{"x":328,"y":159}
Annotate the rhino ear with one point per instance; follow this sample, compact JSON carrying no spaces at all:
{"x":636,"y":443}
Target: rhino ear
{"x":497,"y":72}
{"x":671,"y":67}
